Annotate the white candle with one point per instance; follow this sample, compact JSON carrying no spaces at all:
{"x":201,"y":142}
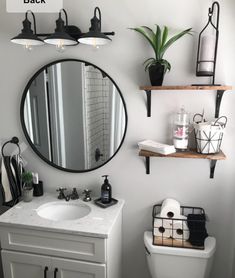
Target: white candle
{"x":207,"y":53}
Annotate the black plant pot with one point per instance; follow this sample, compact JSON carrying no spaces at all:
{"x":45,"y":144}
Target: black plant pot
{"x":156,"y":74}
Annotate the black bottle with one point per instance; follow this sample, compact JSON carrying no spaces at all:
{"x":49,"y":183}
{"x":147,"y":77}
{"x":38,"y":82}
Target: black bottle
{"x":106,"y":191}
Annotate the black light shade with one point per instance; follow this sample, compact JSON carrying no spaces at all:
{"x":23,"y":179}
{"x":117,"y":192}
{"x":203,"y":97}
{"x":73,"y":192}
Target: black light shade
{"x":95,"y":37}
{"x":60,"y":36}
{"x":207,"y":45}
{"x":28,"y":36}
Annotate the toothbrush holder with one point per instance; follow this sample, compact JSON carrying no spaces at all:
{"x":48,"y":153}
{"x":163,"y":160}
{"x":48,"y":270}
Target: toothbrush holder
{"x":38,"y":189}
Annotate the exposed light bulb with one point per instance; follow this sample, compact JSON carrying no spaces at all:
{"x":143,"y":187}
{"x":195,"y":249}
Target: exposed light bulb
{"x":94,"y":43}
{"x":28,"y":47}
{"x":60,"y":47}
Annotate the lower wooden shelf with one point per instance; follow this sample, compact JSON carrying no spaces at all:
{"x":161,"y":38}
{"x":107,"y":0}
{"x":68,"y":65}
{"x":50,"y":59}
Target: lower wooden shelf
{"x":188,"y":154}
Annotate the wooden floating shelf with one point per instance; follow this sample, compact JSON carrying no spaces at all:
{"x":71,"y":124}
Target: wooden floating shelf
{"x":186,"y":88}
{"x":219,"y":89}
{"x":189,"y":154}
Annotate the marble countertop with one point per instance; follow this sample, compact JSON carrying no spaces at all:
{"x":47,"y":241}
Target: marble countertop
{"x":97,"y":223}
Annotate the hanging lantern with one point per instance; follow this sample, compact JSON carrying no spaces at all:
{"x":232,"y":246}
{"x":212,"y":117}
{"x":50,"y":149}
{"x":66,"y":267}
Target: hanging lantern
{"x":207,"y":45}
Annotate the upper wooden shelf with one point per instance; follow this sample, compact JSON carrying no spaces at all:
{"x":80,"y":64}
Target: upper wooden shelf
{"x":185,"y":87}
{"x":220,"y":91}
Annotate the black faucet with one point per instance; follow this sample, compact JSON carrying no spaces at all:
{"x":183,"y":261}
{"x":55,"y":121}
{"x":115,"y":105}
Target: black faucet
{"x":72,"y":196}
{"x":87,"y":194}
{"x":61,"y":195}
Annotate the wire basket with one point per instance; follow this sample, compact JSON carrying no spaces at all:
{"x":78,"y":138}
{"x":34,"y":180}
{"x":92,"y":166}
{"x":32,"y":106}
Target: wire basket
{"x":209,"y":135}
{"x":179,"y":232}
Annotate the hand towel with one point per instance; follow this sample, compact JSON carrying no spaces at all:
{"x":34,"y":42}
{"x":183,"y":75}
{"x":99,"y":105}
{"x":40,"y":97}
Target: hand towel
{"x":197,"y":228}
{"x":5,"y":183}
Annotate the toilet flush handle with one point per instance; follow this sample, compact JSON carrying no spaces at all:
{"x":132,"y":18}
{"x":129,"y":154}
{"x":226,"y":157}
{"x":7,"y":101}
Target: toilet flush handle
{"x":147,"y":251}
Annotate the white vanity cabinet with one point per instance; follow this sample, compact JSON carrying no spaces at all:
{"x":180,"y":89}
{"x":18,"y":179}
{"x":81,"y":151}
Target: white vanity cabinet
{"x":28,"y":253}
{"x":20,"y":265}
{"x":35,"y":248}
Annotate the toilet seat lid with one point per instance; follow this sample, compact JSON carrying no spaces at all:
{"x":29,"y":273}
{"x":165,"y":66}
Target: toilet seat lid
{"x":210,"y":246}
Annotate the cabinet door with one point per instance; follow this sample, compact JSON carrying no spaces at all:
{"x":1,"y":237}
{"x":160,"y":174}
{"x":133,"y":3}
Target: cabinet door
{"x":23,"y":265}
{"x":64,"y":268}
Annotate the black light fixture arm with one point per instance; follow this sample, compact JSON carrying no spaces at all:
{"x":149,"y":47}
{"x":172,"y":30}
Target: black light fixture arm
{"x":34,"y":20}
{"x":74,"y":32}
{"x":66,"y":16}
{"x":60,"y":17}
{"x":100,"y":19}
{"x":109,"y":33}
{"x":97,"y":23}
{"x":98,"y":9}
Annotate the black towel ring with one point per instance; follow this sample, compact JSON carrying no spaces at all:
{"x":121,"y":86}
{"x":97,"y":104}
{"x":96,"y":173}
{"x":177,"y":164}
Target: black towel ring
{"x":14,"y":140}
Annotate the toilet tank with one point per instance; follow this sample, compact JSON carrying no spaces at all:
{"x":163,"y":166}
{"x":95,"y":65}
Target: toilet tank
{"x":172,"y":262}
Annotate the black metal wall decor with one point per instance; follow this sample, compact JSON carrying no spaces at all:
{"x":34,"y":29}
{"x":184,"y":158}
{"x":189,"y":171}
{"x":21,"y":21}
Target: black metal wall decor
{"x":64,"y":35}
{"x":207,"y":44}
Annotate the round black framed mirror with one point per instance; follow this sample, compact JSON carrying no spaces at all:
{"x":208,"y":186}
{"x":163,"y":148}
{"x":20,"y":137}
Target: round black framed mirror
{"x":73,"y":115}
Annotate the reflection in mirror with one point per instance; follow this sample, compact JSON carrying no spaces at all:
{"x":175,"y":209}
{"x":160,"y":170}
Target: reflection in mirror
{"x":73,"y":115}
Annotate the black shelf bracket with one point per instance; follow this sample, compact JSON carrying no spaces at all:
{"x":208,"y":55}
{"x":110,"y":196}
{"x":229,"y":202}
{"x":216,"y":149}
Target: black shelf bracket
{"x":148,"y":94}
{"x":219,"y":96}
{"x":212,"y":168}
{"x":147,"y":164}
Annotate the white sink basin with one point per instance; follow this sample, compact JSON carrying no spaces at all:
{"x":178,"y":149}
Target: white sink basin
{"x":63,"y":210}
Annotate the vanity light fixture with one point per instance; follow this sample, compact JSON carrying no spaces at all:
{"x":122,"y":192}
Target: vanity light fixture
{"x":207,"y":45}
{"x":95,"y":37}
{"x":28,"y":37}
{"x":61,"y":37}
{"x":64,"y":35}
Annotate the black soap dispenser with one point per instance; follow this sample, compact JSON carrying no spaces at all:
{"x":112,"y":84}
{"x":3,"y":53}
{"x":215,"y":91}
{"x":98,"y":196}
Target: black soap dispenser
{"x":106,"y":191}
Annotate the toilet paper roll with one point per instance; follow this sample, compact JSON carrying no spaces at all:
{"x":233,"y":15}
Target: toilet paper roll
{"x":162,"y":227}
{"x":162,"y":222}
{"x":180,"y":230}
{"x":162,"y":232}
{"x":170,"y":208}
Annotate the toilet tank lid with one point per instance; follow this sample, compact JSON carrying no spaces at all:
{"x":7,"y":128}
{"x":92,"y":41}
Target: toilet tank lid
{"x":210,"y":246}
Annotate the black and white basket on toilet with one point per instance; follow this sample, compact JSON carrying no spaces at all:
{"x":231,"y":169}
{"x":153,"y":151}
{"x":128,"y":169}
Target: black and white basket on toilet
{"x":180,"y":226}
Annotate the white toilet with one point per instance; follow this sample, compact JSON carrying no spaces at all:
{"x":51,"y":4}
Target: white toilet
{"x":172,"y":262}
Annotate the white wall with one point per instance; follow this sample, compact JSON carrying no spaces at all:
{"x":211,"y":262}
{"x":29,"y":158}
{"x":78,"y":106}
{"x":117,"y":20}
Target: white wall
{"x":185,"y":180}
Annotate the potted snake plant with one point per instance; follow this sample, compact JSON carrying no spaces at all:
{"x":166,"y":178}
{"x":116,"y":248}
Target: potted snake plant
{"x":27,"y":189}
{"x":159,"y":41}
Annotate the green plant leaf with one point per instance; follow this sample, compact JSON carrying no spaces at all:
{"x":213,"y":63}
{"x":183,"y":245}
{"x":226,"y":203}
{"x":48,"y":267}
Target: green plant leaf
{"x":158,"y":42}
{"x":173,"y":40}
{"x":149,"y":62}
{"x":167,"y":65}
{"x":149,"y":59}
{"x":152,"y":35}
{"x":149,"y":38}
{"x":164,"y":36}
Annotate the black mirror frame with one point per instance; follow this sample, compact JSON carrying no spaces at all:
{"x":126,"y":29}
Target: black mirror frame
{"x":26,"y":132}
